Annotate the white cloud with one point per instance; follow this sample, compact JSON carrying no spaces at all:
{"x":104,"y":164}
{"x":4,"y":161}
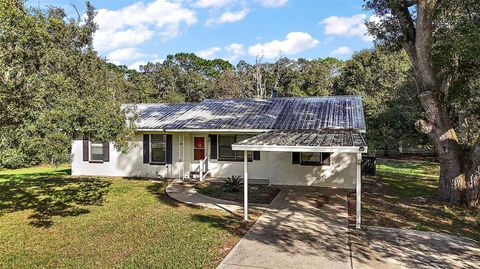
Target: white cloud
{"x":232,"y":59}
{"x":136,"y":65}
{"x":229,"y":16}
{"x":347,"y":26}
{"x":341,"y":51}
{"x":139,"y":22}
{"x":294,"y":42}
{"x":126,"y":54}
{"x":208,"y":53}
{"x":273,"y":3}
{"x":211,"y":3}
{"x":235,"y":48}
{"x":111,"y":39}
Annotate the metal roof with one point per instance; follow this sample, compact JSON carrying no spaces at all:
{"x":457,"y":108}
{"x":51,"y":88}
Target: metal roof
{"x":159,"y":116}
{"x":305,"y":141}
{"x":289,"y":113}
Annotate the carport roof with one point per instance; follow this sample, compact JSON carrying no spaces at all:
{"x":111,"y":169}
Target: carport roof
{"x":305,"y":141}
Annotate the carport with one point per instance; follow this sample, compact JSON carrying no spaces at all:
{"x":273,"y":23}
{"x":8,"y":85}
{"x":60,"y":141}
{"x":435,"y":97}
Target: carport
{"x":346,"y":141}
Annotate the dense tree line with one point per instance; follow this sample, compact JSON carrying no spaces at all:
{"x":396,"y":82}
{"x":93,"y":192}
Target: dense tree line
{"x":185,"y":77}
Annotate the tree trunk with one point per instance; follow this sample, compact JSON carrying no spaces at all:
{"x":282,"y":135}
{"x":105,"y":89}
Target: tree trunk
{"x":473,"y":177}
{"x":417,"y":43}
{"x":459,"y":171}
{"x":451,"y":187}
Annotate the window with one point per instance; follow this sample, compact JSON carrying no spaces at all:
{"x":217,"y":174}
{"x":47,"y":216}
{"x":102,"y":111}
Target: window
{"x":225,"y":146}
{"x":315,"y":158}
{"x":158,"y":152}
{"x":96,"y":151}
{"x":225,"y":152}
{"x":198,"y":148}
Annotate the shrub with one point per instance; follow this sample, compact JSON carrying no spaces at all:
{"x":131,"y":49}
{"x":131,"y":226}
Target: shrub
{"x":233,"y":183}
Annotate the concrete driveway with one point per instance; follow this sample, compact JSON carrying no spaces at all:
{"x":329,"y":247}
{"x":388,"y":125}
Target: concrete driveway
{"x":300,"y":229}
{"x":391,"y":248}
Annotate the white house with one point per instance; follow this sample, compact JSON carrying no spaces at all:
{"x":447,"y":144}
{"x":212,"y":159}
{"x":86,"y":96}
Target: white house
{"x":287,"y":141}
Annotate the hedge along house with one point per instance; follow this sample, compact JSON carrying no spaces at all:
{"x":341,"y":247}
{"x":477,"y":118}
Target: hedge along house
{"x":311,"y":141}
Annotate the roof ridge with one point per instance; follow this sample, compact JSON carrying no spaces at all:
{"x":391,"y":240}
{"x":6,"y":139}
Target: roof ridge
{"x":128,"y":104}
{"x":283,"y":97}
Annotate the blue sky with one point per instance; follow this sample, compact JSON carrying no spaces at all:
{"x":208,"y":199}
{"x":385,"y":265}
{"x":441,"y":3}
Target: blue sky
{"x":133,"y":32}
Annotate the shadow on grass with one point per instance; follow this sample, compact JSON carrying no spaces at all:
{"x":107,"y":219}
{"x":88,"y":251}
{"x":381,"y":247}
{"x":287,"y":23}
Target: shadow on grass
{"x":392,"y":199}
{"x":50,"y":196}
{"x":230,"y":223}
{"x":408,"y":186}
{"x":13,"y":175}
{"x":157,"y":189}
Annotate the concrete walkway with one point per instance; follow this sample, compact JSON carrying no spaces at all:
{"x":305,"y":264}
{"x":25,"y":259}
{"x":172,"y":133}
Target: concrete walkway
{"x":298,"y":230}
{"x":186,"y":193}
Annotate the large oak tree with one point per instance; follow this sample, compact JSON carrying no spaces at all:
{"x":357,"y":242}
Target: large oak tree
{"x":441,"y":41}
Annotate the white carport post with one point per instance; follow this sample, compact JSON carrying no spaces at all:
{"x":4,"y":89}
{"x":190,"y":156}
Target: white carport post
{"x":245,"y":185}
{"x":359,"y":192}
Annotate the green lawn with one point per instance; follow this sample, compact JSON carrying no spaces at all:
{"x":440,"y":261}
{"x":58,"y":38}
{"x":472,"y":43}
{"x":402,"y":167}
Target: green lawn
{"x":49,"y":219}
{"x":403,"y":194}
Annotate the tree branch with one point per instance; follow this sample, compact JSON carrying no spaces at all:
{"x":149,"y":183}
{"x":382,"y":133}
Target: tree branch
{"x":423,"y":44}
{"x":407,"y":27}
{"x":400,"y":10}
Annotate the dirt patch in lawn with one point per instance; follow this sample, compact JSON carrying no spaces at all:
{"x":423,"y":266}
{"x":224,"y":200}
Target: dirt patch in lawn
{"x":257,"y":193}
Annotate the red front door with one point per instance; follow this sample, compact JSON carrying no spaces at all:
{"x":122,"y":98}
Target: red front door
{"x":198,"y":148}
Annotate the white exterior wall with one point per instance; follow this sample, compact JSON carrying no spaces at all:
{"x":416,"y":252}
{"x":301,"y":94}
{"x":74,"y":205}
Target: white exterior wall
{"x":341,"y":172}
{"x":124,"y":165}
{"x":277,"y":167}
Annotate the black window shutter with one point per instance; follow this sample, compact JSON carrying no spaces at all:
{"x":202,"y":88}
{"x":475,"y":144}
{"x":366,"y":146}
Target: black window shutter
{"x":85,"y":150}
{"x":326,"y":158}
{"x":256,"y":155}
{"x":106,"y":152}
{"x":169,"y":149}
{"x":146,"y":148}
{"x":295,"y":157}
{"x":213,"y":146}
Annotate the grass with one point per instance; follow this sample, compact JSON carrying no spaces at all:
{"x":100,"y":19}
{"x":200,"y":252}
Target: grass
{"x":49,"y":219}
{"x":403,"y":195}
{"x":257,"y":193}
